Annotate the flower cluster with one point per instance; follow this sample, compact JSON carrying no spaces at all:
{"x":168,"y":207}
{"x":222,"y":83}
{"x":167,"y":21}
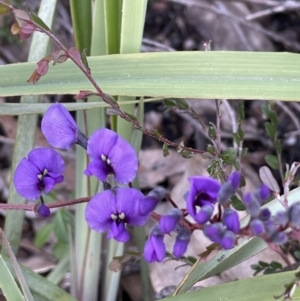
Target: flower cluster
{"x":116,"y":208}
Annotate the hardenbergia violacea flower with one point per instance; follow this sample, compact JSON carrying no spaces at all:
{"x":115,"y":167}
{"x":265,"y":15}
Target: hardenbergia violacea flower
{"x":39,"y":173}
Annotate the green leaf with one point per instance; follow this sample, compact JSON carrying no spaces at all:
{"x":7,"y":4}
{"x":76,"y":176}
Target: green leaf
{"x":270,"y":129}
{"x":62,"y":220}
{"x":165,"y":150}
{"x":8,"y":285}
{"x":4,"y":9}
{"x":40,"y":285}
{"x":187,"y":154}
{"x":237,"y":204}
{"x":244,"y":151}
{"x":274,"y":119}
{"x":181,"y":103}
{"x":252,"y":289}
{"x":277,"y":145}
{"x":84,"y":59}
{"x":236,"y":138}
{"x":60,"y":249}
{"x":229,"y":155}
{"x":272,"y":161}
{"x":255,"y":75}
{"x":255,"y":267}
{"x":276,"y":265}
{"x":81,"y":12}
{"x":36,"y":19}
{"x":240,"y":132}
{"x":43,"y":235}
{"x":169,"y":103}
{"x":263,"y":264}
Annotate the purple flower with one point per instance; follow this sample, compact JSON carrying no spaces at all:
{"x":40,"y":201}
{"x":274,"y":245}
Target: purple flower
{"x":257,"y":227}
{"x":111,"y":211}
{"x":59,"y":127}
{"x":279,"y":238}
{"x":169,"y":222}
{"x":229,"y":188}
{"x":231,"y":220}
{"x":214,"y":232}
{"x":181,"y":242}
{"x":148,"y":204}
{"x":228,"y":240}
{"x":294,"y":215}
{"x":155,"y":249}
{"x":40,"y":172}
{"x":111,"y":154}
{"x":42,"y":210}
{"x":265,"y":214}
{"x":262,"y":193}
{"x":252,"y":205}
{"x":282,"y":218}
{"x":203,"y":191}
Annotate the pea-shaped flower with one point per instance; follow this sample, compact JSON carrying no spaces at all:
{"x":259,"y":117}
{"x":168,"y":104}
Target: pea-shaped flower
{"x":60,"y":129}
{"x":40,"y":172}
{"x":201,"y":198}
{"x":112,"y":210}
{"x":111,"y":154}
{"x":155,"y":249}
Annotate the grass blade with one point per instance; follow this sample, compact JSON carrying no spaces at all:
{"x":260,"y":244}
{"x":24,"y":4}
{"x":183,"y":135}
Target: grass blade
{"x":209,"y":74}
{"x":25,"y":136}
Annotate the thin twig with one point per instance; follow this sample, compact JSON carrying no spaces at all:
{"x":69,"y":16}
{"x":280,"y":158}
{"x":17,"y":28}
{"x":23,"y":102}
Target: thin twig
{"x":283,"y":7}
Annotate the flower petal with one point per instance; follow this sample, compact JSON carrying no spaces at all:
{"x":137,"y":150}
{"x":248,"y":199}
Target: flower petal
{"x":101,"y":142}
{"x":97,"y":168}
{"x":127,"y":202}
{"x":59,"y":127}
{"x":49,"y":183}
{"x":26,"y":180}
{"x":118,"y":232}
{"x":47,"y":158}
{"x":124,"y":161}
{"x":99,"y":210}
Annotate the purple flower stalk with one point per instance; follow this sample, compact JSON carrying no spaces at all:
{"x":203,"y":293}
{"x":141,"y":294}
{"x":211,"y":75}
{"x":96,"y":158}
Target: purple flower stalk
{"x":203,"y":192}
{"x":155,"y":249}
{"x":262,"y":193}
{"x":40,"y":172}
{"x":111,"y":154}
{"x":111,"y":211}
{"x":60,"y":129}
{"x":169,"y":222}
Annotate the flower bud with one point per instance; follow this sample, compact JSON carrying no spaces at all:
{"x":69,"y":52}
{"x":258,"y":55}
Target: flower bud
{"x":252,"y":205}
{"x":257,"y":227}
{"x":204,"y":214}
{"x":214,"y":232}
{"x":231,"y":220}
{"x":264,"y":214}
{"x":228,"y":240}
{"x":42,"y":210}
{"x":282,"y":218}
{"x":262,"y":193}
{"x":169,"y":222}
{"x":229,"y":188}
{"x":294,"y":215}
{"x":279,"y":238}
{"x":181,"y":242}
{"x":155,"y":249}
